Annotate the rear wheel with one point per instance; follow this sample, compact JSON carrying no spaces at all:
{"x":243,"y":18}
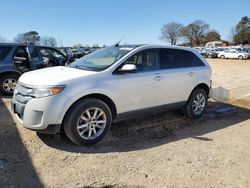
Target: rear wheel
{"x":240,"y":57}
{"x":88,"y":121}
{"x":8,"y":83}
{"x":196,"y":104}
{"x":222,"y":57}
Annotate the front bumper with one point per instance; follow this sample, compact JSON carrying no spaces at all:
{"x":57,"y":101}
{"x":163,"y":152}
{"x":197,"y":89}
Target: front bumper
{"x":39,"y":114}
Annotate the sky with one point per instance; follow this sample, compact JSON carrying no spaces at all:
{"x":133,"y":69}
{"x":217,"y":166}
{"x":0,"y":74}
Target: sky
{"x":105,"y":21}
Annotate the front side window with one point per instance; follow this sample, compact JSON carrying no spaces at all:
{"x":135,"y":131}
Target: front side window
{"x":145,"y":60}
{"x":101,"y":59}
{"x":34,"y":55}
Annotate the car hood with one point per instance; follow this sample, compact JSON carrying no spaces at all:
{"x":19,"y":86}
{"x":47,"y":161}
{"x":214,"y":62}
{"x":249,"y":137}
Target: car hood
{"x":52,"y":76}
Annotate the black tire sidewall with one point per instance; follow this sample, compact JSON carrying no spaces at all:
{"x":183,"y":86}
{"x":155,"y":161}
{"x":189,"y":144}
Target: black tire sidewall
{"x":189,"y":107}
{"x":72,"y":116}
{"x":5,"y":77}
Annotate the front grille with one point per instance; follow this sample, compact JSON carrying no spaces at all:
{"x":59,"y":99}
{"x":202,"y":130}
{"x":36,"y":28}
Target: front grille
{"x":21,"y":98}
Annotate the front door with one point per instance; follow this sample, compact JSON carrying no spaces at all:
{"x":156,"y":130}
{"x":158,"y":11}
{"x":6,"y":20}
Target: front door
{"x":142,"y":89}
{"x":35,"y":57}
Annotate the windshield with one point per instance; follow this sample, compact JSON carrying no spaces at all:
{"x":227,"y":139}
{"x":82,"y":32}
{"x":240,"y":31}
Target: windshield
{"x":101,"y":59}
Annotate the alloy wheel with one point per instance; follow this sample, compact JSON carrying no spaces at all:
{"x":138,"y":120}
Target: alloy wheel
{"x":9,"y":84}
{"x":199,"y":103}
{"x":91,"y":123}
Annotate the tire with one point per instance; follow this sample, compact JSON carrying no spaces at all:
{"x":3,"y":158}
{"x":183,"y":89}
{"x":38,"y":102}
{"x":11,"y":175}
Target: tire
{"x":222,"y":57}
{"x":8,"y":83}
{"x":190,"y":107}
{"x":82,"y":124}
{"x":209,"y":56}
{"x":240,"y":57}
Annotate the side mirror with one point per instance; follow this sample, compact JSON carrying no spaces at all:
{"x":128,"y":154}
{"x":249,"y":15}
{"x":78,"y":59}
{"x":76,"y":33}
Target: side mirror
{"x":128,"y":68}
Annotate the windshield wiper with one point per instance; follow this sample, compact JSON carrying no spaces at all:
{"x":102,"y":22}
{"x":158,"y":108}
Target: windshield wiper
{"x":83,"y":68}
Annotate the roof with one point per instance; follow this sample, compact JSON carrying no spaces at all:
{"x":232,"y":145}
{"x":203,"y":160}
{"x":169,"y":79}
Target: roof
{"x":14,"y":44}
{"x":22,"y":44}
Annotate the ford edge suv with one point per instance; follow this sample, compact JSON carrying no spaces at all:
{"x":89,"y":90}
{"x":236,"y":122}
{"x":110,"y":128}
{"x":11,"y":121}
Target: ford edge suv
{"x":111,"y":84}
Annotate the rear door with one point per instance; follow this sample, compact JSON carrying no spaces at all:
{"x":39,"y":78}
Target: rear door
{"x":21,"y":59}
{"x":180,"y":69}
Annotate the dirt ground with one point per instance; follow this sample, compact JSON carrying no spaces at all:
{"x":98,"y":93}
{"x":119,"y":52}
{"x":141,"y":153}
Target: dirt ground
{"x":162,"y":150}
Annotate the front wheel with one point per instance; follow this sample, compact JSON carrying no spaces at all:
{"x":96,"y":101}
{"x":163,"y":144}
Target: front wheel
{"x":240,"y":57}
{"x":88,"y":121}
{"x":196,"y":104}
{"x":8,"y":83}
{"x":222,"y":57}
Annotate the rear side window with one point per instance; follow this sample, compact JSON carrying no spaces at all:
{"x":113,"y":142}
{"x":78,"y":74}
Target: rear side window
{"x":172,"y":58}
{"x":4,"y":50}
{"x":193,"y":60}
{"x":175,"y":58}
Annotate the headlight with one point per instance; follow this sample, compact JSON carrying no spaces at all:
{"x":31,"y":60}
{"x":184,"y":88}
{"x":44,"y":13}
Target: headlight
{"x":44,"y":92}
{"x":38,"y":92}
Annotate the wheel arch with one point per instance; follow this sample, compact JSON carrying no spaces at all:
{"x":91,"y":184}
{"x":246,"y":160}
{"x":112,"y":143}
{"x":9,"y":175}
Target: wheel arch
{"x":99,"y":96}
{"x":9,"y":72}
{"x":202,"y":86}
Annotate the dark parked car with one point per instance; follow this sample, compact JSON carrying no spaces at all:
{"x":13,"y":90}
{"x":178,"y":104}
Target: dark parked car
{"x":67,"y":51}
{"x":77,"y":53}
{"x":210,"y":54}
{"x":16,"y":59}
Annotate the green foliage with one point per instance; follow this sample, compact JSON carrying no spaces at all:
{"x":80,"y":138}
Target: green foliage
{"x":242,"y":31}
{"x":28,"y":37}
{"x":195,"y":33}
{"x":213,"y":36}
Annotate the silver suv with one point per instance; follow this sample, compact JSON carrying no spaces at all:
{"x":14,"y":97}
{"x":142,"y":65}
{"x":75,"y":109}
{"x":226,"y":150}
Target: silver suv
{"x":111,"y":84}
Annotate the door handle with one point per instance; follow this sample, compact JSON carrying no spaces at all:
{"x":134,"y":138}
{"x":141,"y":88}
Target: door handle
{"x":158,"y":78}
{"x":190,"y":74}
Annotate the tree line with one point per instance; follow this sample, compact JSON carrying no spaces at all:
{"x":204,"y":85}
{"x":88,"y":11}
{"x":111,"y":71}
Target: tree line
{"x":32,"y":37}
{"x":198,"y":33}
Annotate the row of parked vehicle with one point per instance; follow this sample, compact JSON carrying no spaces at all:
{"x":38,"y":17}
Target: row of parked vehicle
{"x":225,"y":53}
{"x":76,"y":53}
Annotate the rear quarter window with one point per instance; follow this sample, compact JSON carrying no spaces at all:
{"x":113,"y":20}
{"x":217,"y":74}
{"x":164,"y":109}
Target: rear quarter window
{"x":193,"y":60}
{"x":178,"y":58}
{"x":4,"y":50}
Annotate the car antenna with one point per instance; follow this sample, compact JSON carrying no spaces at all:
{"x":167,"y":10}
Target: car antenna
{"x":117,"y":44}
